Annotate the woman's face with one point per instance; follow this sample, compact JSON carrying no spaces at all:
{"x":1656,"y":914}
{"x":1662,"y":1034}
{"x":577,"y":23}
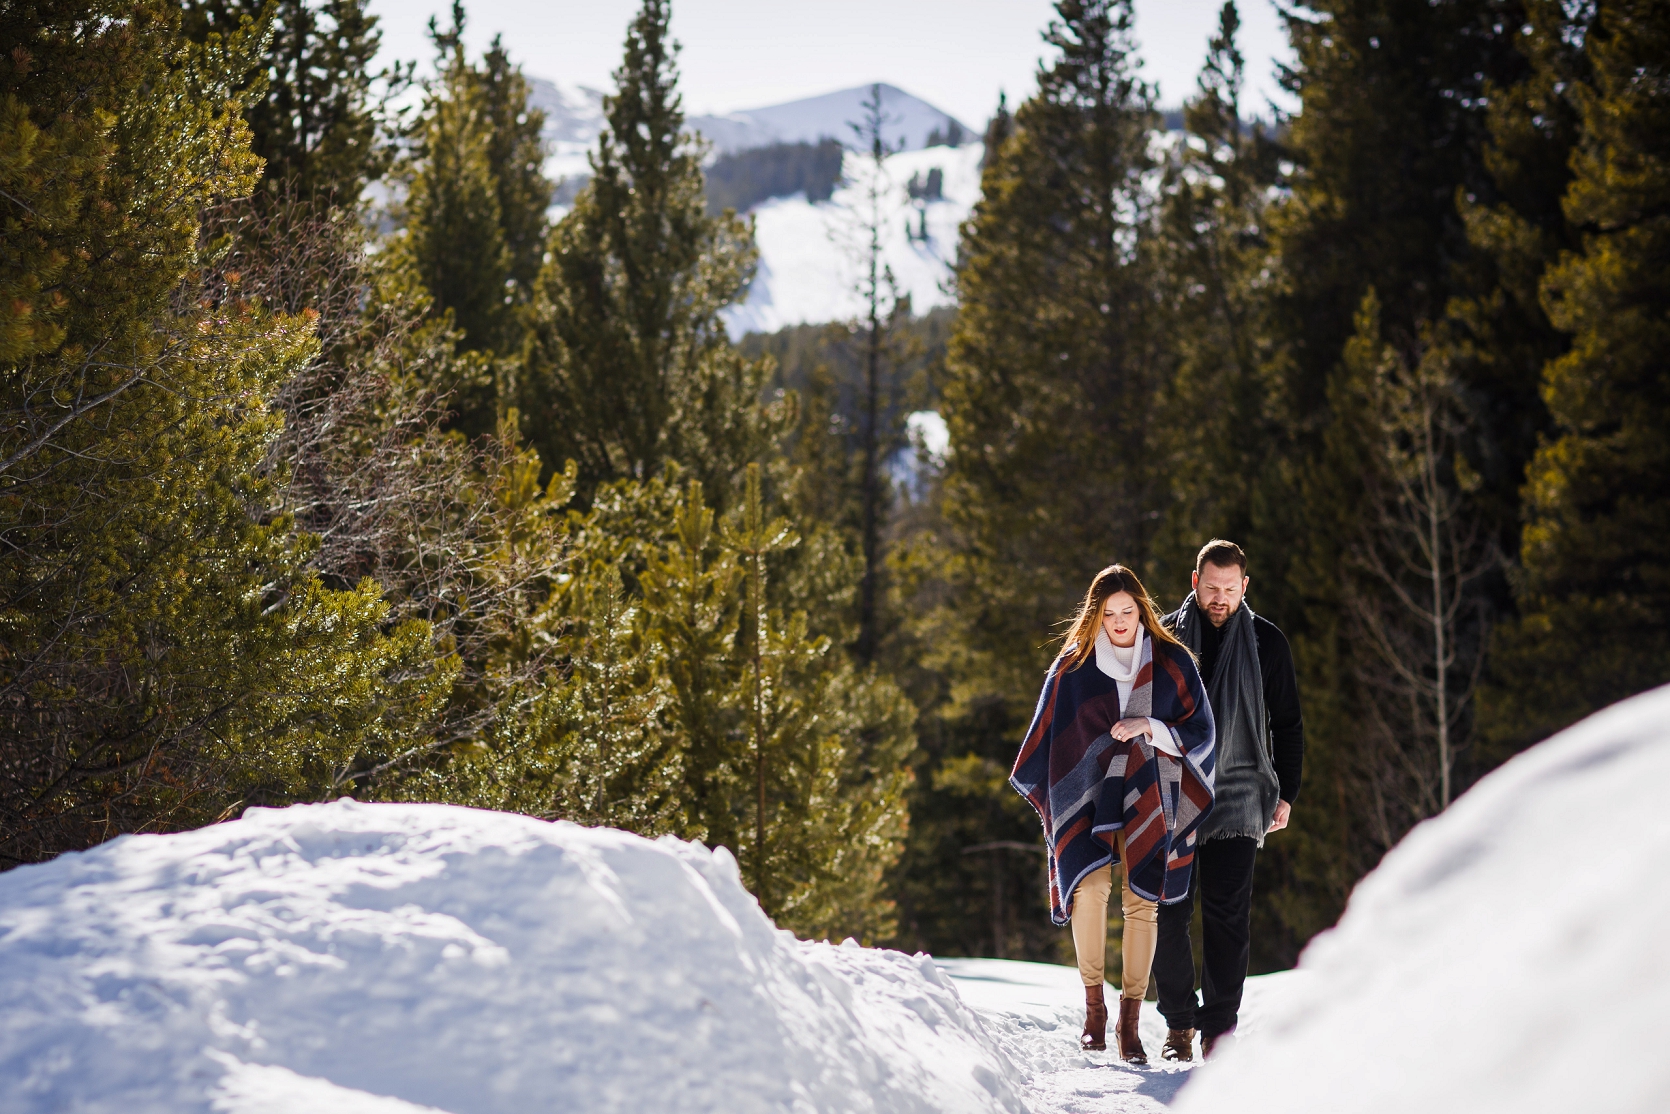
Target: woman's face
{"x":1119,"y":618}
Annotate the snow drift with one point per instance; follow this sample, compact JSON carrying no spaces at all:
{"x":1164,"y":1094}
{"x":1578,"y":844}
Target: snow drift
{"x":1508,"y":955}
{"x":386,"y":959}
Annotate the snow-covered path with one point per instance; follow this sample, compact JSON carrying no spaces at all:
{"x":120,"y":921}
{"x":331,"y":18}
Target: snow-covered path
{"x":1035,"y":1011}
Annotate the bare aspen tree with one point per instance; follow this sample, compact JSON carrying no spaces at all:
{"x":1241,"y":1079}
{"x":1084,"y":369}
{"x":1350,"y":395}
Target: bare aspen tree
{"x":1418,"y":613}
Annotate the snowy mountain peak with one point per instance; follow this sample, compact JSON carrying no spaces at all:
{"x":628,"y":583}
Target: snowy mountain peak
{"x":574,"y":117}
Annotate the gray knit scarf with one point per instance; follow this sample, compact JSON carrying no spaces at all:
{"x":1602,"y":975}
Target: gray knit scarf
{"x":1247,"y":789}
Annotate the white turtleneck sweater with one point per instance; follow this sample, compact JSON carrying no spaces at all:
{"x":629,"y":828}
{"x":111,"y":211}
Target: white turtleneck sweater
{"x":1121,"y":663}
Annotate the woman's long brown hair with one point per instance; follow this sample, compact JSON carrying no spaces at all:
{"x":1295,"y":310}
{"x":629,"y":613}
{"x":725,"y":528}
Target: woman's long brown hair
{"x":1080,"y":640}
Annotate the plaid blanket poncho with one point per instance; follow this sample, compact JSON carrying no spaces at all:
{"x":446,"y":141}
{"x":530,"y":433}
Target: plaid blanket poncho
{"x":1085,"y":784}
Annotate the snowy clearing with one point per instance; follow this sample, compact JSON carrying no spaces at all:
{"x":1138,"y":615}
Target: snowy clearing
{"x":386,"y":959}
{"x":1501,"y":958}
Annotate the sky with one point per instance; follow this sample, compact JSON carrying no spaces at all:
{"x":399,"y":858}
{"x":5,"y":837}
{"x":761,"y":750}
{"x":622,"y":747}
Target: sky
{"x":738,"y":54}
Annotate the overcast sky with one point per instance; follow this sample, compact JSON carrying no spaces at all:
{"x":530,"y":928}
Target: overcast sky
{"x":956,"y":54}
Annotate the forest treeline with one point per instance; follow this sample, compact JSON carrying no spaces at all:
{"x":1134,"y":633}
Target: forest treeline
{"x":305,"y":493}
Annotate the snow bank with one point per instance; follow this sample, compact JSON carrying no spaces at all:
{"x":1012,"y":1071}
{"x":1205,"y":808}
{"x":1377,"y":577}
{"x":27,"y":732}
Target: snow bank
{"x":387,"y":959}
{"x":1508,"y":955}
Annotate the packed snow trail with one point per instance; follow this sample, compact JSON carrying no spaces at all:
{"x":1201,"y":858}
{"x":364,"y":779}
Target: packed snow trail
{"x":1036,"y":1011}
{"x":388,"y":959}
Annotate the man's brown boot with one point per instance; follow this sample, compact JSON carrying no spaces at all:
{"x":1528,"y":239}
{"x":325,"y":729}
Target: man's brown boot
{"x":1209,"y":1043}
{"x":1130,"y":1045}
{"x":1180,"y":1045}
{"x":1095,"y":1035}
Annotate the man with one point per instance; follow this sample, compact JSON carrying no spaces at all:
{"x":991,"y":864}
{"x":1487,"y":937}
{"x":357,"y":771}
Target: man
{"x":1247,"y":668}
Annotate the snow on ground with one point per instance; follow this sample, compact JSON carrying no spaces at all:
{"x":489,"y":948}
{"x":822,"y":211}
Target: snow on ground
{"x":1509,"y":955}
{"x":1036,"y":1011}
{"x":390,"y":959}
{"x":811,"y":253}
{"x":394,"y":959}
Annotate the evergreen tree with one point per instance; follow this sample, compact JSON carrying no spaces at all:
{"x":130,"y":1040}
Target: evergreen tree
{"x":455,"y":231}
{"x":313,"y":105}
{"x":1391,"y":132}
{"x":1050,"y":376}
{"x":1216,"y":255}
{"x":516,"y":158}
{"x":167,"y":652}
{"x":628,"y":364}
{"x":1594,"y":609}
{"x":1050,"y":391}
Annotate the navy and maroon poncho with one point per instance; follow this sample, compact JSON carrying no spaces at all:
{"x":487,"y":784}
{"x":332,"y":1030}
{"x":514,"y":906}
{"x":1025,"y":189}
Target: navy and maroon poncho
{"x":1085,"y":784}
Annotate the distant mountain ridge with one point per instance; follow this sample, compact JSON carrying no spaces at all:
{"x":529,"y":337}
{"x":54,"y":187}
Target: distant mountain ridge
{"x":574,"y":117}
{"x":910,"y":121}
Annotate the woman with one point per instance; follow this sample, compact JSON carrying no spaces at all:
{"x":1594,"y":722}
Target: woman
{"x":1118,"y":762}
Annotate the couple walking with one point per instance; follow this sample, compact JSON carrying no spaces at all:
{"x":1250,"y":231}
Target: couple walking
{"x":1169,"y":746}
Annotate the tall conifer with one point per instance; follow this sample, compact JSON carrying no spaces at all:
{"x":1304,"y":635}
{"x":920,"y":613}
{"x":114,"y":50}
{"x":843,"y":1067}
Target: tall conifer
{"x":1215,"y":253}
{"x":516,"y":157}
{"x":166,"y":653}
{"x":1050,"y":377}
{"x":314,"y":113}
{"x":1595,"y":607}
{"x":455,"y":232}
{"x":628,"y":364}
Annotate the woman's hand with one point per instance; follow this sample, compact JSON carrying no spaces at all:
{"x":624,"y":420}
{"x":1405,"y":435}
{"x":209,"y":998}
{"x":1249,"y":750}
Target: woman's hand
{"x":1129,"y":729}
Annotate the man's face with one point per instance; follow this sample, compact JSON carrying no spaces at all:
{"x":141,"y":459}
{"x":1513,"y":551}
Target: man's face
{"x":1218,"y":591}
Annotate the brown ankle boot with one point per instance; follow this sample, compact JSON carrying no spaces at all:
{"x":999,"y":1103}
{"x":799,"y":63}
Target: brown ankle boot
{"x":1180,"y":1045}
{"x":1213,"y":1043}
{"x":1130,"y":1045}
{"x":1095,"y":1035}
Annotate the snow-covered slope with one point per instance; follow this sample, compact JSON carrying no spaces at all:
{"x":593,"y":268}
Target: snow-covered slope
{"x":574,"y":117}
{"x":807,"y":267}
{"x":573,"y":120}
{"x":391,"y":959}
{"x":910,"y":121}
{"x":1509,"y":955}
{"x":811,"y":257}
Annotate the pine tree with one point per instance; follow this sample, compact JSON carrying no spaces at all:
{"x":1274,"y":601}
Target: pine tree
{"x":1391,"y":132}
{"x":167,"y":653}
{"x":628,"y":364}
{"x":455,"y":231}
{"x":1594,"y":611}
{"x":1050,"y":377}
{"x":516,"y":157}
{"x":315,"y":108}
{"x":690,"y":590}
{"x":1215,"y":255}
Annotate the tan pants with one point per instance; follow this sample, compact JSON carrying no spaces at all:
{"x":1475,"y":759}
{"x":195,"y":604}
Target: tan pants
{"x":1090,"y":930}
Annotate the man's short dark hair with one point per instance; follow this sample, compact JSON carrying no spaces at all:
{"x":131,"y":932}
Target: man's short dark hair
{"x":1222,"y":554}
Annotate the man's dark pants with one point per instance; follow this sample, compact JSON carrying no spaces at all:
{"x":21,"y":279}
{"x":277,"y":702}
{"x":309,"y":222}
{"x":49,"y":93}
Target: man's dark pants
{"x":1222,"y":882}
